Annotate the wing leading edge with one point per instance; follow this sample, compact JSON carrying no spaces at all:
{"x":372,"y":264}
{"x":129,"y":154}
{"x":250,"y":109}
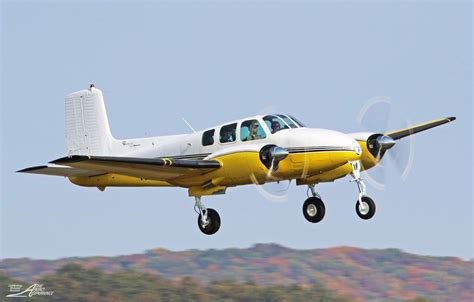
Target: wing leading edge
{"x":56,"y":170}
{"x":398,"y":134}
{"x":150,"y":168}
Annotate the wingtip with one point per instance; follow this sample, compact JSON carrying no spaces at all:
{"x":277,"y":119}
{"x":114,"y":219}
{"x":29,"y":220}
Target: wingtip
{"x":452,"y":118}
{"x":26,"y":170}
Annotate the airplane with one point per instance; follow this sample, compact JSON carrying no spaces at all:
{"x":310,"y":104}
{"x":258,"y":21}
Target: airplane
{"x":252,"y":150}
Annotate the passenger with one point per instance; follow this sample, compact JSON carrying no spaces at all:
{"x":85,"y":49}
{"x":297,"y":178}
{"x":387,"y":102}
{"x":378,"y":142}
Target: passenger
{"x":275,"y":126}
{"x":253,"y":135}
{"x":226,"y":136}
{"x":229,"y":137}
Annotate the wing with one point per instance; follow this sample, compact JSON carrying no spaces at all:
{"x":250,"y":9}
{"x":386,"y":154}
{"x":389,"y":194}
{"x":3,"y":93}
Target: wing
{"x":149,"y":168}
{"x":55,"y":170}
{"x":398,"y":134}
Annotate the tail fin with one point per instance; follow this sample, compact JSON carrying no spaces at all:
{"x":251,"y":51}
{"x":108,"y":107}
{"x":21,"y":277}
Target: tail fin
{"x":87,"y":126}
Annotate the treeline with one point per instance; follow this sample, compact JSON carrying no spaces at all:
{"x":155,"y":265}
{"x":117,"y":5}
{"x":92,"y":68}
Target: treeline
{"x":75,"y":283}
{"x":356,"y":274}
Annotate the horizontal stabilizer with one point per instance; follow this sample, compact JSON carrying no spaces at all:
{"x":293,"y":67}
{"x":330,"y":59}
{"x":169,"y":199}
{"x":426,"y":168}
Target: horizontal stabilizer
{"x":398,"y":134}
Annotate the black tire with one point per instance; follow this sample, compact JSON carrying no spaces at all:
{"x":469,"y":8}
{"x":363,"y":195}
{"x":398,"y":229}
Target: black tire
{"x":214,"y":222}
{"x":314,"y":209}
{"x":366,"y":214}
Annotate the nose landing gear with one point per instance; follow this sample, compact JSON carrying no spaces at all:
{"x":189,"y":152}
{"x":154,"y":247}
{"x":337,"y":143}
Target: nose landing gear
{"x":365,"y":206}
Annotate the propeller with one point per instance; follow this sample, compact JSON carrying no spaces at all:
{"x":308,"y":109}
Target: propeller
{"x":378,"y":114}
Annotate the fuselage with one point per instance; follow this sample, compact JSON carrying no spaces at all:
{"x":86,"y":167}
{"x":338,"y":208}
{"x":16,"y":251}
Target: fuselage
{"x":315,"y":155}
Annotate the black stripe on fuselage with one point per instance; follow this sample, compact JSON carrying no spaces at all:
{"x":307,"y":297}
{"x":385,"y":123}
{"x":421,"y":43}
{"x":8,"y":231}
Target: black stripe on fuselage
{"x":291,"y":150}
{"x":319,"y":149}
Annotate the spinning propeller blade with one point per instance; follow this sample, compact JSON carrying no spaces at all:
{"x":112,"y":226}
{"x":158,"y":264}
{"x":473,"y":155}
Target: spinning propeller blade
{"x":378,"y":116}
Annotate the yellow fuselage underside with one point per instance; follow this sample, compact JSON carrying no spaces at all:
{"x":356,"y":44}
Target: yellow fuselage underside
{"x":246,"y":168}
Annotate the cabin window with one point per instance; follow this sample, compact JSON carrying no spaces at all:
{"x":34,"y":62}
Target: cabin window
{"x":228,"y":133}
{"x":208,"y":137}
{"x":251,"y":130}
{"x":275,"y":123}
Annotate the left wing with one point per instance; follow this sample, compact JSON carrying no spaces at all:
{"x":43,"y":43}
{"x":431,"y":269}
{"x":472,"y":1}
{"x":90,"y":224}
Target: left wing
{"x":149,"y":168}
{"x":398,"y":134}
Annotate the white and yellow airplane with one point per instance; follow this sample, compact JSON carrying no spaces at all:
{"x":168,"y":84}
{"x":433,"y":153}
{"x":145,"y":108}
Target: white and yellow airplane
{"x":253,"y":150}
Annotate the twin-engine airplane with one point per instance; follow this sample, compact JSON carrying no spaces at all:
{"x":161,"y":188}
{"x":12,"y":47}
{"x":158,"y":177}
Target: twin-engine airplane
{"x":253,"y":150}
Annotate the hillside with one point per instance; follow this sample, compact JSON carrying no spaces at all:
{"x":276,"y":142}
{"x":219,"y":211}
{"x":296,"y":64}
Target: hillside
{"x":73,"y":283}
{"x":364,"y":275}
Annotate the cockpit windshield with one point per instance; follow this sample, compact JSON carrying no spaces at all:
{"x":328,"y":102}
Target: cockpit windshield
{"x":287,"y":120}
{"x":277,"y":122}
{"x":300,"y":124}
{"x":274,"y":123}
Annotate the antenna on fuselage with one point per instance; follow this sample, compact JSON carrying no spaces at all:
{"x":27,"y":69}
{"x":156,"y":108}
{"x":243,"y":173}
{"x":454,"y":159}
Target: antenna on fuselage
{"x":189,"y":125}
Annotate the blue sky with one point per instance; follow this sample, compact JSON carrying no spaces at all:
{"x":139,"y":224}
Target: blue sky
{"x":210,"y":62}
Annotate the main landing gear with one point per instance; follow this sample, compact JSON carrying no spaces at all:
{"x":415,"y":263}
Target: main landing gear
{"x":209,"y":220}
{"x":314,"y":209}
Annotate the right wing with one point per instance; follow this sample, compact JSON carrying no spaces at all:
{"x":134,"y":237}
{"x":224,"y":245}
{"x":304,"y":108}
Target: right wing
{"x":56,"y":170}
{"x":149,"y":168}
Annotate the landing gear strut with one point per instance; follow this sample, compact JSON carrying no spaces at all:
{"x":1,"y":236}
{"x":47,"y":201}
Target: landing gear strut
{"x":209,"y":220}
{"x":313,"y":207}
{"x":365,"y":206}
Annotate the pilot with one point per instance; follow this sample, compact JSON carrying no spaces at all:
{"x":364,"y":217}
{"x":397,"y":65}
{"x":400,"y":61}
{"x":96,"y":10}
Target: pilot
{"x":275,"y":126}
{"x":253,"y":135}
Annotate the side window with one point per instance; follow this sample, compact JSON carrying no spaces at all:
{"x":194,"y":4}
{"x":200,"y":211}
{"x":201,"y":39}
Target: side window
{"x":251,"y":130}
{"x":208,"y":137}
{"x":228,"y":133}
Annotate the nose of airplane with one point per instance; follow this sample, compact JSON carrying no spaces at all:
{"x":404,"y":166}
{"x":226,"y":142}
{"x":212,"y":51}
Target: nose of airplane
{"x":346,"y":148}
{"x":339,"y":147}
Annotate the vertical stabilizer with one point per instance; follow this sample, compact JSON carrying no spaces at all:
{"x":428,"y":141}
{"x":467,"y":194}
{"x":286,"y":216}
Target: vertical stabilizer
{"x":87,"y":126}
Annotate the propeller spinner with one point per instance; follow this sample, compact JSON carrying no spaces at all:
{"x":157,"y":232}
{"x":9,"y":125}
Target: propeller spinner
{"x":378,"y":144}
{"x":271,"y":155}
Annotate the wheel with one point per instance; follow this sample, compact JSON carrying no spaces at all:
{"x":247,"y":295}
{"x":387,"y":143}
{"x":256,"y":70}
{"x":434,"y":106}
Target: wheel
{"x":367,"y":210}
{"x":313,"y":209}
{"x":214,"y":222}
